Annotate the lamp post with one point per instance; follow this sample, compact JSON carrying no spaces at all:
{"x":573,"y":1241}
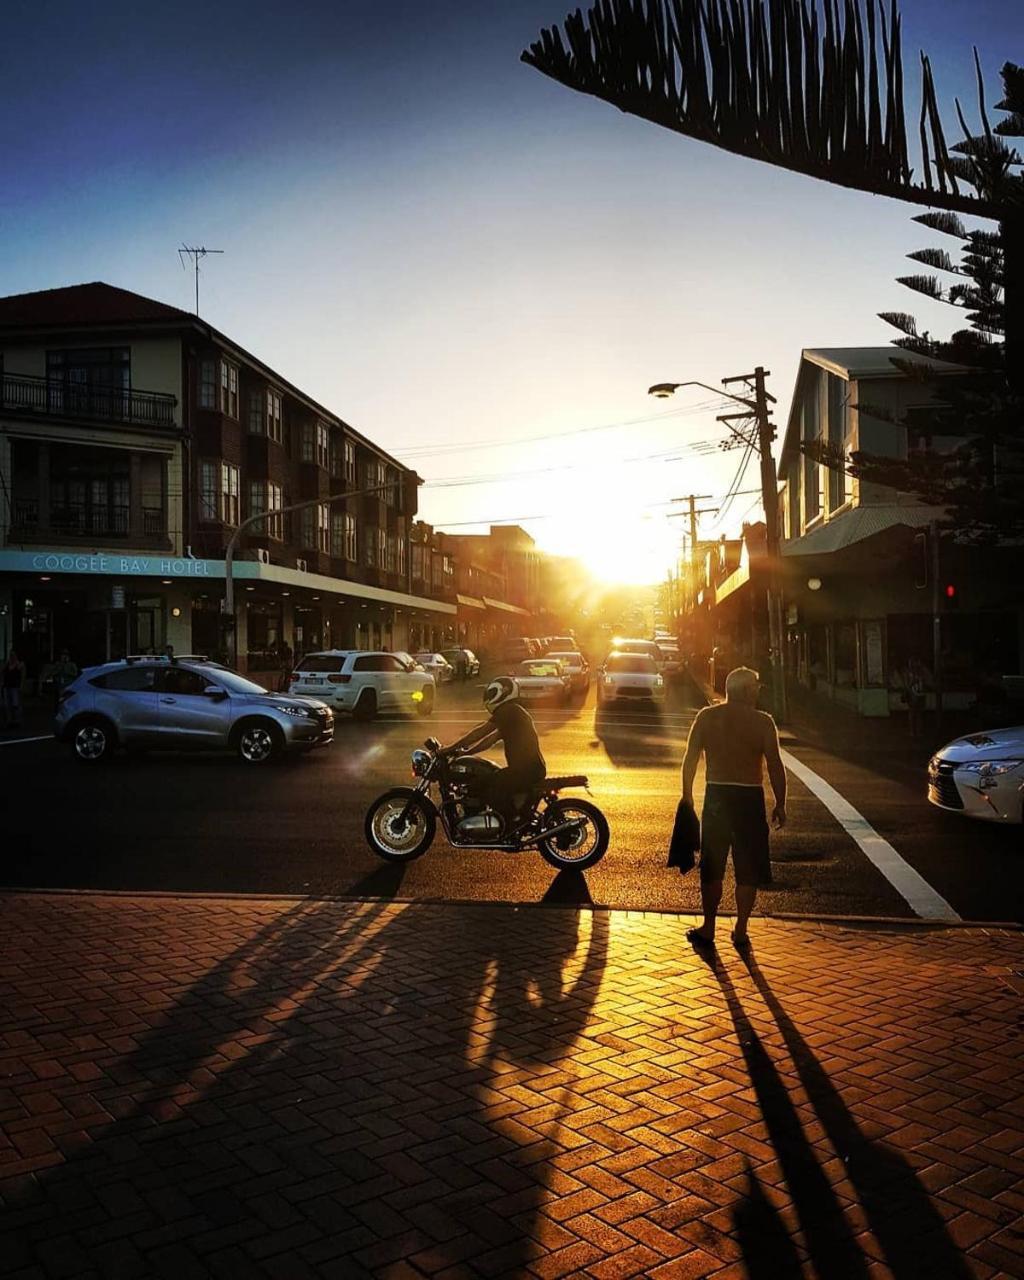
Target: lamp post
{"x":756,"y":407}
{"x":229,"y":550}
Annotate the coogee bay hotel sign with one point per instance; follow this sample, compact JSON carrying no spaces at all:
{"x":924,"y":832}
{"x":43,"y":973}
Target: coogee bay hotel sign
{"x":121,"y":566}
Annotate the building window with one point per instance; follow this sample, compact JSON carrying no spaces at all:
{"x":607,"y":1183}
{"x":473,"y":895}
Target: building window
{"x":264,"y":496}
{"x":208,"y":384}
{"x":351,"y":538}
{"x":371,"y":548}
{"x":334,"y":459}
{"x":90,"y":380}
{"x":400,"y":568}
{"x":265,"y":414}
{"x":417,"y":561}
{"x":208,"y":491}
{"x":382,"y":548}
{"x":323,"y":527}
{"x":316,"y":443}
{"x":229,"y":493}
{"x":338,"y":535}
{"x":229,"y":389}
{"x":349,"y":461}
{"x":392,"y":549}
{"x":274,"y":428}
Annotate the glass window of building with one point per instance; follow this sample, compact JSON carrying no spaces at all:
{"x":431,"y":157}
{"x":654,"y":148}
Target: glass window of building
{"x":208,"y":491}
{"x":323,"y":527}
{"x":349,"y":453}
{"x":351,"y":538}
{"x":229,"y":502}
{"x":338,"y":535}
{"x":371,"y":547}
{"x":229,"y":389}
{"x":264,"y":496}
{"x":208,"y":384}
{"x":308,"y":526}
{"x":275,"y":429}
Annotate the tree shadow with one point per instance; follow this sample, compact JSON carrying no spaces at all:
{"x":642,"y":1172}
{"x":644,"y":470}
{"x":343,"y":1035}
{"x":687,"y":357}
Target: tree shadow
{"x":335,"y":1087}
{"x":908,"y":1227}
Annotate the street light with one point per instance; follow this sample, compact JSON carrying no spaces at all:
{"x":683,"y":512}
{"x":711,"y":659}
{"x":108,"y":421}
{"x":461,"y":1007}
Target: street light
{"x":229,"y":550}
{"x":755,"y":407}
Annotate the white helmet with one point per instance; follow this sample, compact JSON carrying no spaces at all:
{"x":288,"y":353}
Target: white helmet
{"x":499,"y":691}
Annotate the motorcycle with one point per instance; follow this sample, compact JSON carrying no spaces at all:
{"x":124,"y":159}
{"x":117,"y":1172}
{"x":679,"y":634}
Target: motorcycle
{"x":401,"y":824}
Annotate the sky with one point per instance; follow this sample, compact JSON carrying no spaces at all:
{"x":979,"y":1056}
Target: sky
{"x":473,"y":265}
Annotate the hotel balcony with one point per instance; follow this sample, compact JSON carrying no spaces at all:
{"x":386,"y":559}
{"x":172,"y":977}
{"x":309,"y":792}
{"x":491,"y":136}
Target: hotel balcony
{"x":27,"y":396}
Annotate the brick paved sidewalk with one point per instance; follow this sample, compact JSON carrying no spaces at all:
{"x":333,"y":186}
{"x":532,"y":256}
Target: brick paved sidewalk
{"x":244,"y":1087}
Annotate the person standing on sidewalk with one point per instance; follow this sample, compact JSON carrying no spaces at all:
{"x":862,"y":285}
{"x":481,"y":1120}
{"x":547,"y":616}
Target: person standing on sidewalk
{"x":737,"y":742}
{"x":12,"y":681}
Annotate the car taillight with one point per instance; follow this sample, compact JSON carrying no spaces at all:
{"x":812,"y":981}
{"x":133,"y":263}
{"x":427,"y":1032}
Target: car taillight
{"x":338,"y":679}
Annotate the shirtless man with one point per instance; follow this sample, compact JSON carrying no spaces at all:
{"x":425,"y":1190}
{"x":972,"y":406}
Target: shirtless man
{"x":738,"y":741}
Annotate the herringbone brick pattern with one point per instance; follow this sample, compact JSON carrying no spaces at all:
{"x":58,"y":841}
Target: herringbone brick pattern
{"x":211,"y":1087}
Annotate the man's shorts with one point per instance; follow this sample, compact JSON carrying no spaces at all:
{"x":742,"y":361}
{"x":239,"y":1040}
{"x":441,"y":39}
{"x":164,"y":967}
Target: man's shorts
{"x":734,"y":818}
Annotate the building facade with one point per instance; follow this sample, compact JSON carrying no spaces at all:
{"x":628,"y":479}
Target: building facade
{"x":134,"y":439}
{"x":869,"y":580}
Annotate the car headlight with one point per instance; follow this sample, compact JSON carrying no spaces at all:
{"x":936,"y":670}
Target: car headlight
{"x":990,"y":768}
{"x":299,"y":712}
{"x":609,"y":680}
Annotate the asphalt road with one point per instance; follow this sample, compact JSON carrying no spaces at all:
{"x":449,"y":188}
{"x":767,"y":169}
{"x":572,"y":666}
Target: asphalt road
{"x":209,"y":823}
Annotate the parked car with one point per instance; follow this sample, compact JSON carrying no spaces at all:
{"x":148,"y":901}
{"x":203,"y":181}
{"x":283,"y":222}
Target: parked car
{"x":364,"y":682}
{"x":630,"y":678}
{"x":671,"y":661}
{"x":407,"y":659}
{"x":467,"y":656}
{"x":516,"y":648}
{"x":560,"y":644}
{"x":161,"y":704}
{"x":542,"y":680}
{"x":981,"y":775}
{"x":438,"y":666}
{"x":575,"y":666}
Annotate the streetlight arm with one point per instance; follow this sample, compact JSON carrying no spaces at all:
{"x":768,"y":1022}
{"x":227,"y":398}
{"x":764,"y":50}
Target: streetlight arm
{"x":664,"y":389}
{"x":240,"y":528}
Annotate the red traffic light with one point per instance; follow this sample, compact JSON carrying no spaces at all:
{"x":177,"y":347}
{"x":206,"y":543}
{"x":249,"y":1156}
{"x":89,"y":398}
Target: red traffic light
{"x":950,"y":591}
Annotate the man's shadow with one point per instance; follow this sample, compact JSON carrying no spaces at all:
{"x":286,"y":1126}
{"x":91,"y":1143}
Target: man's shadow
{"x":339,"y":1076}
{"x":899,"y":1212}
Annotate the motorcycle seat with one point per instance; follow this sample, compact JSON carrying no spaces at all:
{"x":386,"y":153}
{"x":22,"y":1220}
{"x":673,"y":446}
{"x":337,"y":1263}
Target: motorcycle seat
{"x":571,"y":780}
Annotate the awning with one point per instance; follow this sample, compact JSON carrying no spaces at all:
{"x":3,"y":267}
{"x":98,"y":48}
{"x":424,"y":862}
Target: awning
{"x":507,"y":608}
{"x":470,"y":602}
{"x":739,"y":577}
{"x":859,"y":524}
{"x":128,"y":564}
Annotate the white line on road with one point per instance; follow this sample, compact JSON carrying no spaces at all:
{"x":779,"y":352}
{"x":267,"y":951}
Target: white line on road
{"x":13,"y":742}
{"x":911,"y":886}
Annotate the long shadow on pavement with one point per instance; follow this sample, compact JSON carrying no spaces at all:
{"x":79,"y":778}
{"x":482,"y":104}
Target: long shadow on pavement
{"x":332,"y":1093}
{"x":908,"y":1227}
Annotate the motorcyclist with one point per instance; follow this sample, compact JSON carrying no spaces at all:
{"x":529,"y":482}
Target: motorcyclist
{"x":512,"y":725}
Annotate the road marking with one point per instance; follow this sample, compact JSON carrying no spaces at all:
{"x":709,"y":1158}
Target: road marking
{"x":13,"y":742}
{"x":912,"y":887}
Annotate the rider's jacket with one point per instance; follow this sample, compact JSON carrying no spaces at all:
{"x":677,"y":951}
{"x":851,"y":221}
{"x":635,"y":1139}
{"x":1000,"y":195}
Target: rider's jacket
{"x":519,"y":738}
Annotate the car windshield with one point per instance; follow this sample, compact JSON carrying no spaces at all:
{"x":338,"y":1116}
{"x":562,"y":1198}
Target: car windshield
{"x":635,"y":663}
{"x":234,"y":683}
{"x":322,"y":662}
{"x":568,"y":659}
{"x":540,"y":668}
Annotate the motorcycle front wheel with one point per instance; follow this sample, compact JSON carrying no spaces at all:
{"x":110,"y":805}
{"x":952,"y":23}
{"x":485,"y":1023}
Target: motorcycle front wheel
{"x":396,"y":838}
{"x":578,"y":849}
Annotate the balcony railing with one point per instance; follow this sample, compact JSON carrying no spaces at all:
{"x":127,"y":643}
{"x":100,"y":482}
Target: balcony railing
{"x":79,"y":520}
{"x":79,"y":400}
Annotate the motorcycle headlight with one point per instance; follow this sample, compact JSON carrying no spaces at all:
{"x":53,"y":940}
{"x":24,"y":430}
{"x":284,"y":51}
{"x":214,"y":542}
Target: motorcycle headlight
{"x":420,"y":763}
{"x":990,"y":768}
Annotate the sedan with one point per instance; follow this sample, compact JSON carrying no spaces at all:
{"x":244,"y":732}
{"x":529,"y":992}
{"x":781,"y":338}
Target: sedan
{"x":981,"y":775}
{"x":542,"y":680}
{"x":463,"y":660}
{"x":575,"y":666}
{"x":437,"y":665}
{"x":630,"y":678}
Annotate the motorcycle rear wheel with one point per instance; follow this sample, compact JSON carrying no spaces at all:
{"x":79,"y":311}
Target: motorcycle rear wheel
{"x":392,"y":839}
{"x":575,"y":851}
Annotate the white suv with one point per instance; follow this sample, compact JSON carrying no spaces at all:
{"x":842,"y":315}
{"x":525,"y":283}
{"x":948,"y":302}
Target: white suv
{"x":364,"y":683}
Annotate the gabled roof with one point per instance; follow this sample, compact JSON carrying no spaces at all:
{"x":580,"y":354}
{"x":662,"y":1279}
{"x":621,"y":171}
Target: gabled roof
{"x":95,"y":303}
{"x":872,"y":362}
{"x":851,"y":363}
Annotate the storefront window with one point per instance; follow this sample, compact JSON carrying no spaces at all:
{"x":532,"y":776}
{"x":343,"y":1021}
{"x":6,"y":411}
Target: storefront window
{"x":265,"y":634}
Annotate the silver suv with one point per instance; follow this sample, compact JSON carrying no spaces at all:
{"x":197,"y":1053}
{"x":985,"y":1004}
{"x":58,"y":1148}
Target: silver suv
{"x":185,"y":703}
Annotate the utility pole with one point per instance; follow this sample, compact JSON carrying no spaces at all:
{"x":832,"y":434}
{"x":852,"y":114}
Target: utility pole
{"x":770,"y":501}
{"x":195,"y":253}
{"x":933,"y":541}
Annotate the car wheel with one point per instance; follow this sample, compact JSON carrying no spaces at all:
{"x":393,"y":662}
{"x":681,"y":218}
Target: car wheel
{"x":366,"y":705}
{"x":426,"y":706}
{"x":258,"y":742}
{"x":93,"y":741}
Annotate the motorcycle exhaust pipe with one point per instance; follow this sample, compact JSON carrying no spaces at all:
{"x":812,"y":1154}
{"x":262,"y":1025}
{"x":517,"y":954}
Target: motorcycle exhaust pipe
{"x":573,"y":824}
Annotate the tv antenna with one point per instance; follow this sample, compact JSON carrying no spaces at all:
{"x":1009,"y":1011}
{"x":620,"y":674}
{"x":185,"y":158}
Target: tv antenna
{"x":195,"y":252}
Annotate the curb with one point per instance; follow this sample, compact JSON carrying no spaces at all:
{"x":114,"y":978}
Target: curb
{"x":791,"y":917}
